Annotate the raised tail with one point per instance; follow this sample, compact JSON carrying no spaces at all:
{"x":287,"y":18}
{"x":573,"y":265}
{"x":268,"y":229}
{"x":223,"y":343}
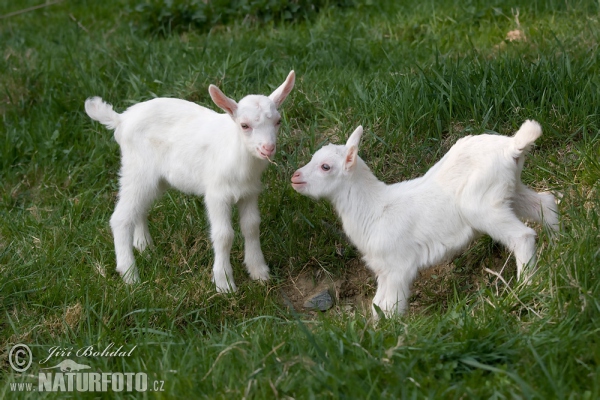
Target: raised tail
{"x":526,"y":135}
{"x":102,"y":112}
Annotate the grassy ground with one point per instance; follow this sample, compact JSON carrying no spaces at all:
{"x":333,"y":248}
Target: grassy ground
{"x":417,"y":76}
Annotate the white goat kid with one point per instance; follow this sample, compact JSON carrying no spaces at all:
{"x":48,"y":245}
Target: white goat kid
{"x":176,"y":143}
{"x":475,"y":188}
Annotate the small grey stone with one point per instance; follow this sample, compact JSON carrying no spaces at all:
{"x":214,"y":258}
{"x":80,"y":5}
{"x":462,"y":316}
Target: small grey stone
{"x":320,"y":301}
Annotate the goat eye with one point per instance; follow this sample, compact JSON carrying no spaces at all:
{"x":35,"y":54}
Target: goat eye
{"x":325,"y":167}
{"x":245,"y":126}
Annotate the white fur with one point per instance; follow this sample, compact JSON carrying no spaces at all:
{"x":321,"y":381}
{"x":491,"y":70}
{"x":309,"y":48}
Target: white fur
{"x":175,"y":143}
{"x":474,"y":189}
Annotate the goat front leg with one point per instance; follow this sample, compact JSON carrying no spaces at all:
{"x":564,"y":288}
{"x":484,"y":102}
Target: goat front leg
{"x":250,"y":225}
{"x":378,"y":299}
{"x":393,"y":291}
{"x":221,"y":232}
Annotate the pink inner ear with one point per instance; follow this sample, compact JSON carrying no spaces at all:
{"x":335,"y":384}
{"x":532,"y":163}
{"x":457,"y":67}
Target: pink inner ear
{"x":223,"y":101}
{"x":228,"y":105}
{"x":286,"y":91}
{"x":282,"y":92}
{"x":351,"y":156}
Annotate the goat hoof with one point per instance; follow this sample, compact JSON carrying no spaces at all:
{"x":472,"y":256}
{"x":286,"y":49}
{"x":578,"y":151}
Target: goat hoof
{"x":225,"y":286}
{"x":130,"y":276}
{"x":142,"y":244}
{"x":226,"y":289}
{"x":260,"y":274}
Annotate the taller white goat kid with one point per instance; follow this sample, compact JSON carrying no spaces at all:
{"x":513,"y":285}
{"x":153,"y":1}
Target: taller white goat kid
{"x":175,"y":143}
{"x":475,"y":188}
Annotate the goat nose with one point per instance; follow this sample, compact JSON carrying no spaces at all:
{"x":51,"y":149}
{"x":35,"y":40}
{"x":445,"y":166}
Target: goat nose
{"x":296,"y":175}
{"x":268,"y":148}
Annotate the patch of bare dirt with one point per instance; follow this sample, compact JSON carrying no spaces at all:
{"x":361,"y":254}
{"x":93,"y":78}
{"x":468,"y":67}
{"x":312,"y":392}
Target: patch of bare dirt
{"x":353,"y":291}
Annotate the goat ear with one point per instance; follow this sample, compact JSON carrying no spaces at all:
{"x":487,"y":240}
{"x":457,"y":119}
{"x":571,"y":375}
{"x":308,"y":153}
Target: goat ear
{"x":352,"y":148}
{"x":354,"y":139}
{"x":228,"y":105}
{"x":280,"y":94}
{"x":350,"y":160}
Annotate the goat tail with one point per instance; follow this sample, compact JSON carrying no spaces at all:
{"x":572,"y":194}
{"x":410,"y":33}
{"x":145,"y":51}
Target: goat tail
{"x":100,"y":111}
{"x":526,"y":135}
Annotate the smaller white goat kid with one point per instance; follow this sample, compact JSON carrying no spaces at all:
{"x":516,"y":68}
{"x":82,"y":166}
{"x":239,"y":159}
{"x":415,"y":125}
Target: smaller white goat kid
{"x":175,"y":143}
{"x":474,"y":189}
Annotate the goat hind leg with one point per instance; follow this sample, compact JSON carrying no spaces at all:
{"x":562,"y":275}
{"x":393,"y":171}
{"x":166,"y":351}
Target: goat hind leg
{"x":141,"y":233}
{"x":504,"y":226}
{"x":538,"y":207}
{"x":129,"y":223}
{"x":122,"y":225}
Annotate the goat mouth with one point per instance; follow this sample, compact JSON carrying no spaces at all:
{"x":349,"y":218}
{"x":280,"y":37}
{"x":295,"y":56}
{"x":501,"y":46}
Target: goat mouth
{"x":264,"y":155}
{"x":298,"y":185}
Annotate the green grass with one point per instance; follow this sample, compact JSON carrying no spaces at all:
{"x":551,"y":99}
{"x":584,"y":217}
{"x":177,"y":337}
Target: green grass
{"x":417,"y":75}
